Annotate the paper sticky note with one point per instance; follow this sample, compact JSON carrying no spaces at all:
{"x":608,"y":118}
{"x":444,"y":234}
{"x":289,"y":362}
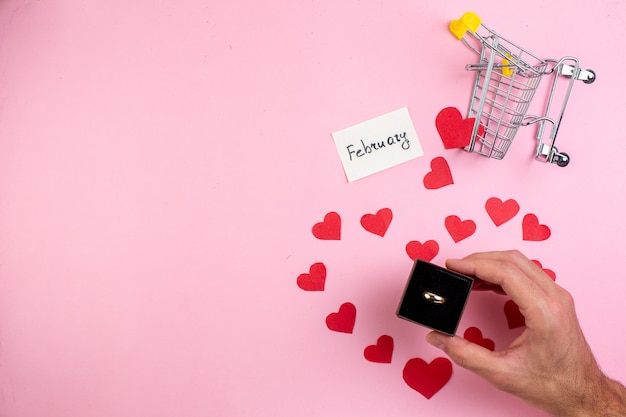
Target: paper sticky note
{"x":377,"y":144}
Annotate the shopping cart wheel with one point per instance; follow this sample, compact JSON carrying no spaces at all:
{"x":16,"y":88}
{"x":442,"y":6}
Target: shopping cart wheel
{"x":592,"y":78}
{"x":562,"y":159}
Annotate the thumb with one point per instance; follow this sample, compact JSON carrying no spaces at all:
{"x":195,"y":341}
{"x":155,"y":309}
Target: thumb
{"x":466,"y":354}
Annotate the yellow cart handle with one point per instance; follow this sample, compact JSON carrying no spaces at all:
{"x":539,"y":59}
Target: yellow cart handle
{"x":469,"y":21}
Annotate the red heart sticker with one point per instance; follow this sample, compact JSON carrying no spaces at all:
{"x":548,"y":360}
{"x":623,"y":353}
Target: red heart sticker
{"x":474,"y":335}
{"x":427,"y":378}
{"x":455,"y":131}
{"x":440,"y":174}
{"x":532,"y":230}
{"x":548,"y":272}
{"x":315,"y":279}
{"x":514,"y":317}
{"x":329,"y":229}
{"x":381,"y":352}
{"x":501,"y":212}
{"x":425,"y":251}
{"x":377,"y":223}
{"x":343,"y":320}
{"x":459,"y":229}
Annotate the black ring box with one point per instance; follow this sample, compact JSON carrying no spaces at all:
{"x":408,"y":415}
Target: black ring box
{"x":427,"y":284}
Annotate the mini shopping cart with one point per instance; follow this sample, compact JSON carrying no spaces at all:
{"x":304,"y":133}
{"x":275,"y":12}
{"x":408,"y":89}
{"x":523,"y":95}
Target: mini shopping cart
{"x":507,"y":77}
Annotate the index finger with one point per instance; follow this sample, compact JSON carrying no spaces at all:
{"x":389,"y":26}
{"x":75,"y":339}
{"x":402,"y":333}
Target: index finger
{"x":528,"y":267}
{"x":515,"y":282}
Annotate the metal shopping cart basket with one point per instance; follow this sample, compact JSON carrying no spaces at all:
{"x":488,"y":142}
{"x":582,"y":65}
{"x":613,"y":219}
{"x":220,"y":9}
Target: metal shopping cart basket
{"x":507,"y":77}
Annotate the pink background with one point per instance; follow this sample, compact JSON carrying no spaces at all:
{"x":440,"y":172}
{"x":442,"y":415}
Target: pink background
{"x":162,"y":164}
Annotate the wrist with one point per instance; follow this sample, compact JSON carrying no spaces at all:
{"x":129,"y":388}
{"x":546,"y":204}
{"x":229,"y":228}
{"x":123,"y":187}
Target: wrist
{"x":604,"y":398}
{"x":614,"y":400}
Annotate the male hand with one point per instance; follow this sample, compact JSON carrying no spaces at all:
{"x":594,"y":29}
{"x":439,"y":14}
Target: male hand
{"x":550,"y":365}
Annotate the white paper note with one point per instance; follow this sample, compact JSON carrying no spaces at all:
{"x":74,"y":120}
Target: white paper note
{"x":377,"y":144}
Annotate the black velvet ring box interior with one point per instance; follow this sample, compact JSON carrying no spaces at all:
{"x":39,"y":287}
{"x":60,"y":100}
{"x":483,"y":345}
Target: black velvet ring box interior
{"x":435,"y":297}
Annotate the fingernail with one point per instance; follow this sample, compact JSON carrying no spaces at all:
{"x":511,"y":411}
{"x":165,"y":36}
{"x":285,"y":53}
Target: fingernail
{"x":435,"y":339}
{"x":452,"y":261}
